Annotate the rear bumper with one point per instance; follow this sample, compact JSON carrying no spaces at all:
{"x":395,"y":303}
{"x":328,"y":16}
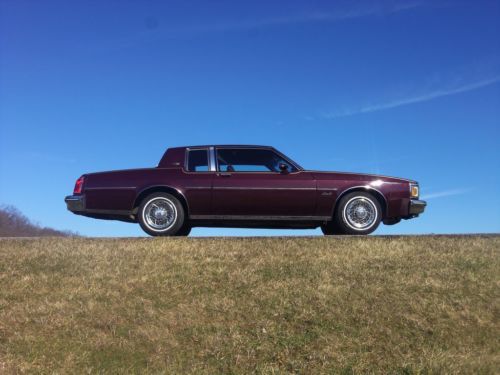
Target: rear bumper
{"x":75,"y":203}
{"x":416,"y":207}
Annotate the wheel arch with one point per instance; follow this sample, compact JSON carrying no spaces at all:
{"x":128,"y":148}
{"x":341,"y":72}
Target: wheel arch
{"x":365,"y":189}
{"x":161,"y":189}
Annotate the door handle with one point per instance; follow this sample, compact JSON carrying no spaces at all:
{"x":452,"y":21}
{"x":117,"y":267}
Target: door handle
{"x":224,"y":174}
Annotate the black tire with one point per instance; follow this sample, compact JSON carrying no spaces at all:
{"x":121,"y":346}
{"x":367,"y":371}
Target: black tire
{"x":329,"y":229}
{"x":173,"y":205}
{"x":184,"y":231}
{"x":345,"y":222}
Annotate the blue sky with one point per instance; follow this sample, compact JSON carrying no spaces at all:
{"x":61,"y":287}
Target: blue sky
{"x":404,"y":88}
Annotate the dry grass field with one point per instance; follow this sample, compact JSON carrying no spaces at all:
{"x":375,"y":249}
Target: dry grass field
{"x":267,"y":305}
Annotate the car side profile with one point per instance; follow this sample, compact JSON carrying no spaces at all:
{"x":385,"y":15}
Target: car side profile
{"x":243,"y":186}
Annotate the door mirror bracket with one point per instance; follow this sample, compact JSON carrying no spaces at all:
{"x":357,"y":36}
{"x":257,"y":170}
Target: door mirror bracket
{"x":283,"y":168}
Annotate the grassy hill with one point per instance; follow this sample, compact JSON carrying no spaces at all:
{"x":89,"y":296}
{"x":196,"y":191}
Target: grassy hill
{"x":266,"y":305}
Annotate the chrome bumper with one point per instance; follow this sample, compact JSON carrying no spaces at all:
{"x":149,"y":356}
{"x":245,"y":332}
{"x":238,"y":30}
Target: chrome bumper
{"x":417,"y":207}
{"x":75,"y":203}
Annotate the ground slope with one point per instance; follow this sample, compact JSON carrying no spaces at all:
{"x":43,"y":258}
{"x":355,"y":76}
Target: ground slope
{"x":267,"y":305}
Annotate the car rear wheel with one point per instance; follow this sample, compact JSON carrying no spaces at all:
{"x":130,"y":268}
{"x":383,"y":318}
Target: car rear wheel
{"x":161,"y":214}
{"x":358,"y":213}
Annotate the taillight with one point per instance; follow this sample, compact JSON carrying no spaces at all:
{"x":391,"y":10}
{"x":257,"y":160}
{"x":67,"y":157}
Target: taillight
{"x":78,"y":185}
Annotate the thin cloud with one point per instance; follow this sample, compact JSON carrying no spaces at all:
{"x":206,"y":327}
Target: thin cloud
{"x":416,"y":99}
{"x":368,"y":10}
{"x":154,"y":31}
{"x":446,"y":193}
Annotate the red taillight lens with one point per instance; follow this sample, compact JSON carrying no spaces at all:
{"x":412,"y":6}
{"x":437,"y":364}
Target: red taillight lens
{"x":79,"y":185}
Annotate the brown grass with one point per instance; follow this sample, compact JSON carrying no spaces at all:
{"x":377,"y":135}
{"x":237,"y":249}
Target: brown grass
{"x":276,"y":305}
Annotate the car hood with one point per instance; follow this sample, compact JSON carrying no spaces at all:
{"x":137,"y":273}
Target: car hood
{"x":324,"y":175}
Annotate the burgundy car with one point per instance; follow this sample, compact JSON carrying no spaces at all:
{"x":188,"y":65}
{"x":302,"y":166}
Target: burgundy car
{"x":243,"y":186}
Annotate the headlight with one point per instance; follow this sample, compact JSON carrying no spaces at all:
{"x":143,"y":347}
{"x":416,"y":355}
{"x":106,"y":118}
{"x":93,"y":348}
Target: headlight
{"x":414,"y":191}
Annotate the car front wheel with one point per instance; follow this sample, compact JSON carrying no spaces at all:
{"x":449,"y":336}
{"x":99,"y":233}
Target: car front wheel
{"x":330,"y":229}
{"x":184,"y":231}
{"x":161,"y":214}
{"x":358,"y":213}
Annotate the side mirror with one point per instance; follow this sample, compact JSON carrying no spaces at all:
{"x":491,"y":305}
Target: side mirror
{"x":283,"y":168}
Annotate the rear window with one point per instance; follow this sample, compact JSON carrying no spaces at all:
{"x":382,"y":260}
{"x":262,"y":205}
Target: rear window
{"x":197,"y":160}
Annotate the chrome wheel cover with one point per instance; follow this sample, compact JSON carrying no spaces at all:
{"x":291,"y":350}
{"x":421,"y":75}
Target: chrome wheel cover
{"x":160,"y":214}
{"x":360,"y":213}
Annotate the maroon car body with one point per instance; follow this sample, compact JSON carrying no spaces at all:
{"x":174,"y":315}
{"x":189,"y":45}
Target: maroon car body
{"x":222,"y":194}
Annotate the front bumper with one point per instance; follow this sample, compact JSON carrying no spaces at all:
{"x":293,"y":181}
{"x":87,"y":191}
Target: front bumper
{"x":75,"y":203}
{"x":416,"y":207}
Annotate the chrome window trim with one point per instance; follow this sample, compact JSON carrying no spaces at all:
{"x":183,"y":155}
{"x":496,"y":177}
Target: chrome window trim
{"x":212,"y":167}
{"x":186,"y":159}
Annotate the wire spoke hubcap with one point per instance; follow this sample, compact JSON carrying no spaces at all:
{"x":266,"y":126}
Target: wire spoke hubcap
{"x":360,"y":213}
{"x":160,"y":213}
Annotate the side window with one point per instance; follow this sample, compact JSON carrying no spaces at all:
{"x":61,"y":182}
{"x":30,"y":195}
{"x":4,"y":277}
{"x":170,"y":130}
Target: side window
{"x":249,"y":160}
{"x":197,"y":160}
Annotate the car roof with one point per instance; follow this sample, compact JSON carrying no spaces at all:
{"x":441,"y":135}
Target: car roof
{"x":227,"y":145}
{"x":174,"y":156}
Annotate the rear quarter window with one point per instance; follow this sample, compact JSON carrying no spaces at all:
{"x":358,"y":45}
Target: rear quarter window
{"x":197,"y":160}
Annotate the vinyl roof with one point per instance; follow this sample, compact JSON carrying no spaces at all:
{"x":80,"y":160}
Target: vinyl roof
{"x":239,"y":146}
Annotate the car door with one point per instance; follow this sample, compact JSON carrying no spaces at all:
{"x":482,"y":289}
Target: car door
{"x":198,"y":173}
{"x":248,"y":183}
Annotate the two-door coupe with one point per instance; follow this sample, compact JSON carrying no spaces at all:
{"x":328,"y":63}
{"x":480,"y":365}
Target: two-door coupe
{"x":243,"y":186}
